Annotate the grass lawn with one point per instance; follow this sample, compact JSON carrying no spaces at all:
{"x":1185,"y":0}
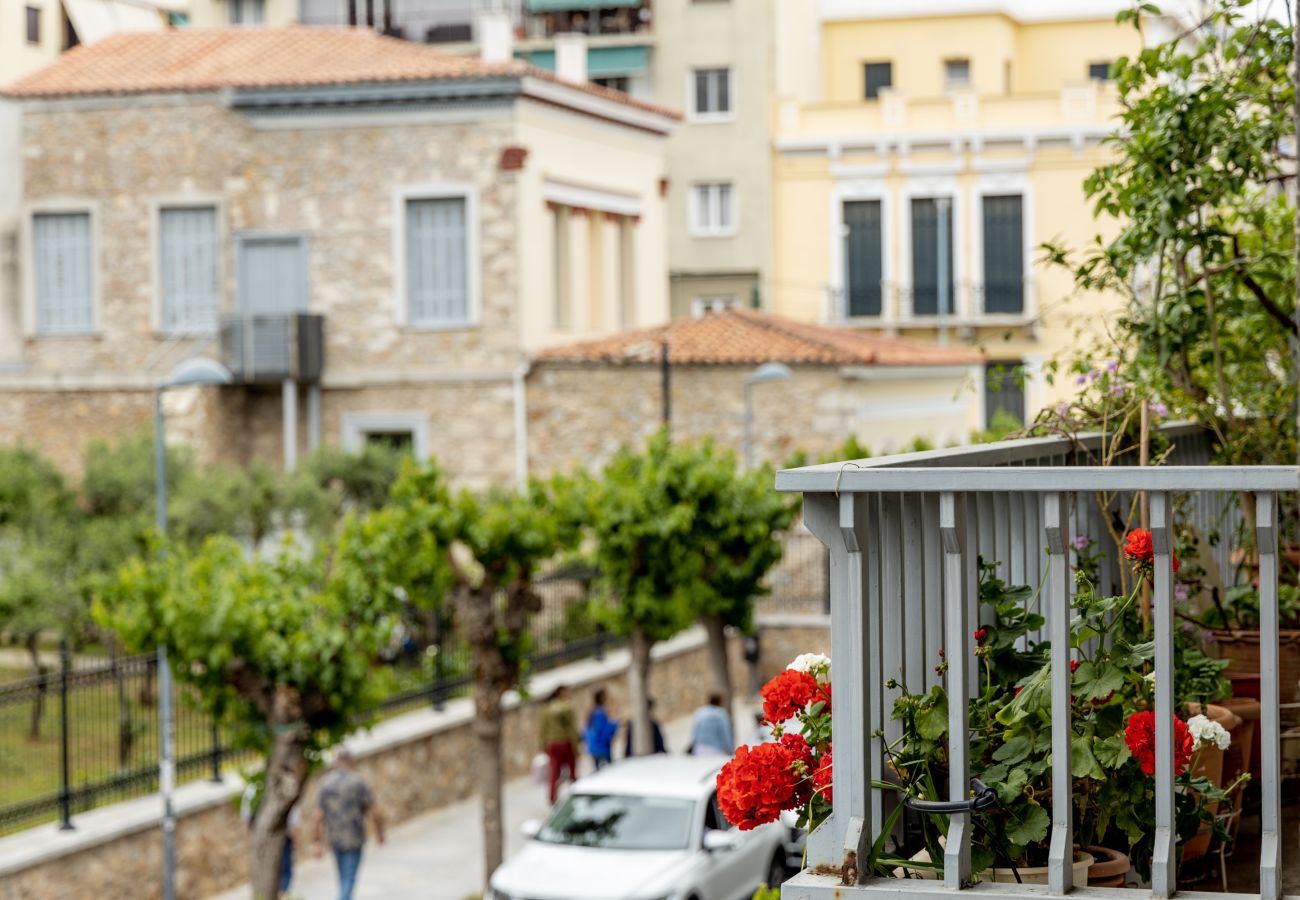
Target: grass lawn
{"x":108,"y":735}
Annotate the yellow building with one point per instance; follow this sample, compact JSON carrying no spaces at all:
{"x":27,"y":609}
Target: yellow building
{"x":915,"y":180}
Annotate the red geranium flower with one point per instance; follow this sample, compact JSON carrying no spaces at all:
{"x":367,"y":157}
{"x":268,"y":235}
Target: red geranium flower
{"x":800,"y":751}
{"x":1074,"y":665}
{"x":1138,"y":548}
{"x":789,"y":694}
{"x":1140,"y":735}
{"x":981,"y":634}
{"x":822,"y":777}
{"x":758,"y":784}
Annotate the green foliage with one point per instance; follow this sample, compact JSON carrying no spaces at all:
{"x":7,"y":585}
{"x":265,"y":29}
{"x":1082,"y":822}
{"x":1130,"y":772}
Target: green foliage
{"x":679,"y":532}
{"x":333,"y":481}
{"x":32,"y":490}
{"x":1003,"y":425}
{"x":1203,"y":245}
{"x":248,"y":631}
{"x":1010,"y":729}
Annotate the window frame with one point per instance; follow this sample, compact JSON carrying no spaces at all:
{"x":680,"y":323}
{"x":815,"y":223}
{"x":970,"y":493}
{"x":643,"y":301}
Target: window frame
{"x":867,"y":65}
{"x":157,"y":206}
{"x":923,"y":187}
{"x":694,"y":114}
{"x":1002,"y":184}
{"x":1103,"y":78}
{"x":950,"y":83}
{"x":28,"y":20}
{"x":355,"y":426}
{"x":697,"y":228}
{"x":27,"y":253}
{"x":702,"y":304}
{"x":473,"y":262}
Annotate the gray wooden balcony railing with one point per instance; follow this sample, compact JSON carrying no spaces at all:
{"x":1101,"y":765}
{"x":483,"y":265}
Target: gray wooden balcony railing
{"x":904,"y":535}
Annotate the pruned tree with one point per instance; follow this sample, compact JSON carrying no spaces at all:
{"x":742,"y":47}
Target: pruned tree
{"x":642,"y":514}
{"x":481,"y":553}
{"x":283,"y":648}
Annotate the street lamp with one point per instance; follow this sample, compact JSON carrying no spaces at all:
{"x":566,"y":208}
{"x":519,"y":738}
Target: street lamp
{"x":192,"y":372}
{"x":771,"y":371}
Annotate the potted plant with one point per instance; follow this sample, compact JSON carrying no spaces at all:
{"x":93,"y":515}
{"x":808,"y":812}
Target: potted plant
{"x":1234,"y":621}
{"x":1009,"y":742}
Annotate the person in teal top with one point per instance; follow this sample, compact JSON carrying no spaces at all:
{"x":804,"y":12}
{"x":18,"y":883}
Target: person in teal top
{"x":601,"y":728}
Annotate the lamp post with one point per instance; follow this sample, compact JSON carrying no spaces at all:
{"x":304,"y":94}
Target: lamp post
{"x":192,"y":372}
{"x":771,"y":371}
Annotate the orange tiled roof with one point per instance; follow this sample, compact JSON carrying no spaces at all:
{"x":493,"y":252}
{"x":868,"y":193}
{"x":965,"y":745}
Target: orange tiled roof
{"x":748,"y":337}
{"x":201,"y":59}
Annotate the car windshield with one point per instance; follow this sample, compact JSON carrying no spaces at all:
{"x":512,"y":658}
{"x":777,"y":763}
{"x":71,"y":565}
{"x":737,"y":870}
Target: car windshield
{"x":617,"y":822}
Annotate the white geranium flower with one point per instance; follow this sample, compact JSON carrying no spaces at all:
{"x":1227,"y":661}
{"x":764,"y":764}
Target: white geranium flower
{"x":1206,"y":731}
{"x":1150,"y":677}
{"x":818,"y":665}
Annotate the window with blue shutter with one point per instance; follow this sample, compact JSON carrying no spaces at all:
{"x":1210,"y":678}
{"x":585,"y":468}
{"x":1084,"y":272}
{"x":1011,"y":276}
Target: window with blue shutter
{"x":1004,"y":254}
{"x":62,"y":280}
{"x":189,"y":269}
{"x":926,"y":239}
{"x":437,"y":263}
{"x":863,"y":257}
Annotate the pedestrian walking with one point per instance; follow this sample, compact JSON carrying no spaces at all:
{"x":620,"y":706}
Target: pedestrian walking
{"x":711,"y":729}
{"x":656,"y":733}
{"x":559,"y":738}
{"x":600,"y":732}
{"x":344,"y":803}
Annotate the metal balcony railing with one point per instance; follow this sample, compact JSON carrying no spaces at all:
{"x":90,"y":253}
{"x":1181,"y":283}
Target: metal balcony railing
{"x":904,"y":535}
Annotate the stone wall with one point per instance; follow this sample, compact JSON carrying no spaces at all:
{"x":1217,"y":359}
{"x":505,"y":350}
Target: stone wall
{"x":581,"y":414}
{"x":416,"y":763}
{"x":61,"y":425}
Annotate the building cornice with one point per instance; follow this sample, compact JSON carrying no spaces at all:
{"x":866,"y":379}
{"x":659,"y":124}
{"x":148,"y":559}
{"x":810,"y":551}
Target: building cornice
{"x":902,"y":144}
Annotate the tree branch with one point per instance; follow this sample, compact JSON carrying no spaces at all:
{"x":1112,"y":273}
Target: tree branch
{"x":1257,"y":289}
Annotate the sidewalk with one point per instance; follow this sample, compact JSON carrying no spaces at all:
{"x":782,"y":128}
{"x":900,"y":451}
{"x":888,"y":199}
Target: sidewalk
{"x":438,"y":855}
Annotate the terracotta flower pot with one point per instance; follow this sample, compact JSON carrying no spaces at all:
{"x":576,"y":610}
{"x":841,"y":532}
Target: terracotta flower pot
{"x":1110,"y":868}
{"x":1241,"y":648}
{"x":1083,"y":863}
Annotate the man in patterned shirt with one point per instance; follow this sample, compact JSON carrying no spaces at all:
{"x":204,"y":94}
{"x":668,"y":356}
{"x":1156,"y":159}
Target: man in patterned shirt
{"x":345,"y":801}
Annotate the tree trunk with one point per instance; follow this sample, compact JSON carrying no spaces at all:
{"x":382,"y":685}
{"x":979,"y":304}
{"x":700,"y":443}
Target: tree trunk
{"x":638,"y":680}
{"x":487,"y":733}
{"x":125,"y":733}
{"x":286,"y":773}
{"x":719,"y":665}
{"x":38,"y":698}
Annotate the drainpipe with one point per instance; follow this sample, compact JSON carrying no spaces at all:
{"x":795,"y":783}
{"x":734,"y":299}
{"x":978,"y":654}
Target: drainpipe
{"x":521,"y":426}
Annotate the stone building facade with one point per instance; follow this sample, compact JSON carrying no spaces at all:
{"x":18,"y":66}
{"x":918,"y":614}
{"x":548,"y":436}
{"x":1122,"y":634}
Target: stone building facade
{"x":308,"y":171}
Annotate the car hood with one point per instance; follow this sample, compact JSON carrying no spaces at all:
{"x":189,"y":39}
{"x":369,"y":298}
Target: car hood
{"x":542,"y":871}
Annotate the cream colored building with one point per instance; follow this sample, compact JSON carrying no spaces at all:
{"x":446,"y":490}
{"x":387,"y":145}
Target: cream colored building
{"x":713,"y":59}
{"x":948,"y":140}
{"x":373,"y":235}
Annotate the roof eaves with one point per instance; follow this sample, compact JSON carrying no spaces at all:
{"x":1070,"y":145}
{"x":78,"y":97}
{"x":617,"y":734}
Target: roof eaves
{"x":375,"y":93}
{"x":548,"y":89}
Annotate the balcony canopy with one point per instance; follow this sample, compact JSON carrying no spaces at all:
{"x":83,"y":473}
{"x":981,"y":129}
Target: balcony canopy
{"x":602,"y":62}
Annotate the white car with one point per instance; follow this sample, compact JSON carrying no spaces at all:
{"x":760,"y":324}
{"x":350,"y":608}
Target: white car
{"x":643,"y":829}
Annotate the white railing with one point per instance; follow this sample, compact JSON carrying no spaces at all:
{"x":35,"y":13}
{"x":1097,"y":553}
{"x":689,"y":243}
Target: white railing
{"x":905,"y":534}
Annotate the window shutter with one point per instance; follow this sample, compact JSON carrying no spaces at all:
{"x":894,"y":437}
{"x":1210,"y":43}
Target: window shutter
{"x":1004,"y":254}
{"x":61,"y":273}
{"x":863,"y":257}
{"x":925,"y":257}
{"x":188,"y":269}
{"x":436,"y":264}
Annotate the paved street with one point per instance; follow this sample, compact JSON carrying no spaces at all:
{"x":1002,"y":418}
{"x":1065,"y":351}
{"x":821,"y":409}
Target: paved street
{"x":447,"y":842}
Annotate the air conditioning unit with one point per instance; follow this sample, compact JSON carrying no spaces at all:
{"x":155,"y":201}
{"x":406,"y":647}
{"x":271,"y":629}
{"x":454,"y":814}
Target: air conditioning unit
{"x":269,"y":349}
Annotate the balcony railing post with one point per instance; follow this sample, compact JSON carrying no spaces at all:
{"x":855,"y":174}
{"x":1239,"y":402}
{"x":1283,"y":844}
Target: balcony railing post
{"x":1164,"y":858}
{"x":844,"y":840}
{"x":1270,"y":814}
{"x":955,"y":525}
{"x":1060,"y":855}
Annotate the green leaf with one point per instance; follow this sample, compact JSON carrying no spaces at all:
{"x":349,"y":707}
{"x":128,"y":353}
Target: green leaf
{"x":1031,"y":828}
{"x":1097,"y":681}
{"x":1082,"y":762}
{"x":932,"y":720}
{"x":1112,"y":752}
{"x":1013,"y":751}
{"x":1035,"y":695}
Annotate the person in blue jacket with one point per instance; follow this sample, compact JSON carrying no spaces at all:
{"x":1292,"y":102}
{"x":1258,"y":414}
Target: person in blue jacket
{"x":601,"y":728}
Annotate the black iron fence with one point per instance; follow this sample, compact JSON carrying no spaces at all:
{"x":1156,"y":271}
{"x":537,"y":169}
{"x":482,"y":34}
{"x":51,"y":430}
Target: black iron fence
{"x":86,"y":735}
